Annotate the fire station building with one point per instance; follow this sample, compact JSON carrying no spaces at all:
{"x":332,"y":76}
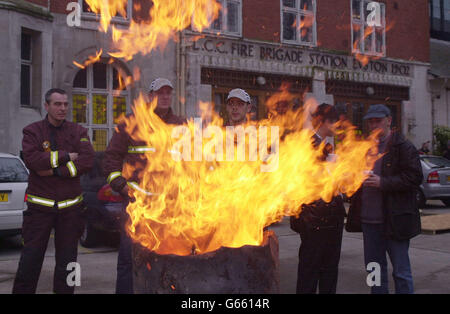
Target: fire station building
{"x":324,"y":49}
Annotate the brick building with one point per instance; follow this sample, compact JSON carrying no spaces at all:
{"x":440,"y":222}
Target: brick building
{"x":440,"y":62}
{"x":310,"y":44}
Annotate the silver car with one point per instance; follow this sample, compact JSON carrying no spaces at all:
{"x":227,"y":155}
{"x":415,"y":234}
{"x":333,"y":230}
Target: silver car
{"x":436,"y":180}
{"x":13,"y":185}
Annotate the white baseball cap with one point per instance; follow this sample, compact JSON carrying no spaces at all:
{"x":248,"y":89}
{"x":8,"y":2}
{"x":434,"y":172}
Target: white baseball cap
{"x":158,"y":83}
{"x":239,"y":93}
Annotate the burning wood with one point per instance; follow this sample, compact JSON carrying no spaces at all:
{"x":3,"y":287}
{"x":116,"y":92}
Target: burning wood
{"x":249,"y":269}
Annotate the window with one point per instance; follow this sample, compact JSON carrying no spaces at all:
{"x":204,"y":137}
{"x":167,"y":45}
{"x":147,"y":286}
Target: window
{"x":436,"y":162}
{"x":25,"y":68}
{"x":440,"y":19}
{"x":99,"y":98}
{"x":87,"y":10}
{"x":30,"y":68}
{"x":12,"y":170}
{"x":298,"y":22}
{"x":229,"y":21}
{"x":367,"y":39}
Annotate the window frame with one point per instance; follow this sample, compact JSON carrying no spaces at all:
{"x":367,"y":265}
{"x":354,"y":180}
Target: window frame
{"x":362,"y":23}
{"x":298,"y":13}
{"x":110,"y":93}
{"x":115,"y":19}
{"x":224,"y":21}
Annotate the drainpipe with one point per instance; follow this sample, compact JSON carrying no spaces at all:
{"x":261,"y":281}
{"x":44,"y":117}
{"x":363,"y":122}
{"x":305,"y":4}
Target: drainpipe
{"x":181,"y":75}
{"x":178,"y":73}
{"x":433,"y":98}
{"x":446,"y":97}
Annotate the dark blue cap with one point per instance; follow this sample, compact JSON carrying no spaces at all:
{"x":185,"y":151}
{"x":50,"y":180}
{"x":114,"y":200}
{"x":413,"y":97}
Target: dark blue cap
{"x":377,"y":111}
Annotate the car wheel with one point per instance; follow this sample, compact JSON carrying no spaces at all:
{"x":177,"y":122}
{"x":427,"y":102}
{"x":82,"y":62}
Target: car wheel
{"x":421,"y":200}
{"x":446,"y":202}
{"x":89,"y":237}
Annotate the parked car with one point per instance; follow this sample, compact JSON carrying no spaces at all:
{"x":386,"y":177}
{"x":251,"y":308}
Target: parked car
{"x":103,"y":208}
{"x":436,"y":180}
{"x":13,"y":185}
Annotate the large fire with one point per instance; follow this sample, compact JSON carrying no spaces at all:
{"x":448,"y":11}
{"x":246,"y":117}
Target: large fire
{"x":197,"y":193}
{"x":196,"y":199}
{"x":166,"y":19}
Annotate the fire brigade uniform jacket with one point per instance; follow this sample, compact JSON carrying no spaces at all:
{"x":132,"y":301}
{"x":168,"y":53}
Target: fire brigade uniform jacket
{"x":47,"y":147}
{"x":123,"y":149}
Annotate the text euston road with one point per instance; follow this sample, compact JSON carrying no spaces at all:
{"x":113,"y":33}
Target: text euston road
{"x":295,"y":55}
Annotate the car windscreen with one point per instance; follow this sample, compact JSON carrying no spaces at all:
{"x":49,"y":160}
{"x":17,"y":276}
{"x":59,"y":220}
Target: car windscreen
{"x":12,"y":170}
{"x":436,"y":162}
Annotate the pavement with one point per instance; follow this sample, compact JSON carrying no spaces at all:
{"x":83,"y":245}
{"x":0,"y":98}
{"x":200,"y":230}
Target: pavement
{"x":429,"y":254}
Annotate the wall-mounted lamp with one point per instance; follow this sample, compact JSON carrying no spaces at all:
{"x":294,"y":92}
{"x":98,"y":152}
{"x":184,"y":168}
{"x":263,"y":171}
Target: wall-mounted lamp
{"x":261,"y":80}
{"x":370,"y":91}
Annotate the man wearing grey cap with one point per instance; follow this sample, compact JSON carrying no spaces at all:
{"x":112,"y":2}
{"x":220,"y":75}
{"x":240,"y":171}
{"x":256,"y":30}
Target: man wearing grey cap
{"x":237,"y":107}
{"x":124,"y":149}
{"x":387,"y":203}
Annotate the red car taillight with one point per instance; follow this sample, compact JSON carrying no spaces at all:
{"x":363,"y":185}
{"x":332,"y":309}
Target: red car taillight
{"x":26,"y":198}
{"x":106,"y":194}
{"x":433,"y":177}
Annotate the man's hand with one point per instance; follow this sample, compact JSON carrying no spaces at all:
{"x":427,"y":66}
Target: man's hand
{"x":373,"y":181}
{"x":124,"y":191}
{"x":45,"y":173}
{"x":73,"y":156}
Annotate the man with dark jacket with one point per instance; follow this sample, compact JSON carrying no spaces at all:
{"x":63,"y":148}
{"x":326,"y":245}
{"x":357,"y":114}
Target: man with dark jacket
{"x":387,"y":203}
{"x":124,"y":149}
{"x":320,"y":224}
{"x":57,"y":152}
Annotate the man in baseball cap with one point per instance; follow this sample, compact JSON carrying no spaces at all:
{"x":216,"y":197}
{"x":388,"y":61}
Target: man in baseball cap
{"x":162,"y":89}
{"x":386,"y":203}
{"x":377,"y":111}
{"x":124,"y":149}
{"x":379,"y":118}
{"x":237,"y":107}
{"x":159,"y":83}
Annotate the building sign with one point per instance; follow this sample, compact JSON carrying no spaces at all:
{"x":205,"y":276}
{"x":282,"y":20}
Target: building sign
{"x":304,"y":57}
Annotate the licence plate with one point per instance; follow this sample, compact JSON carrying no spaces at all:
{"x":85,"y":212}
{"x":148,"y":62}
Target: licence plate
{"x":3,"y":197}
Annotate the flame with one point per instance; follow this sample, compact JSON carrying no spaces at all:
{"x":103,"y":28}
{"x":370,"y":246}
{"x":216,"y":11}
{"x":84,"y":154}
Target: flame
{"x":107,"y":9}
{"x":90,"y":60}
{"x":166,"y":19}
{"x":282,"y":99}
{"x":193,"y":207}
{"x":307,"y":22}
{"x":305,"y":25}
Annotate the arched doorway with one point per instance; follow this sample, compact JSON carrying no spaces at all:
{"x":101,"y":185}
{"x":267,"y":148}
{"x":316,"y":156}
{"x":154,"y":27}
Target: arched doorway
{"x":99,"y":98}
